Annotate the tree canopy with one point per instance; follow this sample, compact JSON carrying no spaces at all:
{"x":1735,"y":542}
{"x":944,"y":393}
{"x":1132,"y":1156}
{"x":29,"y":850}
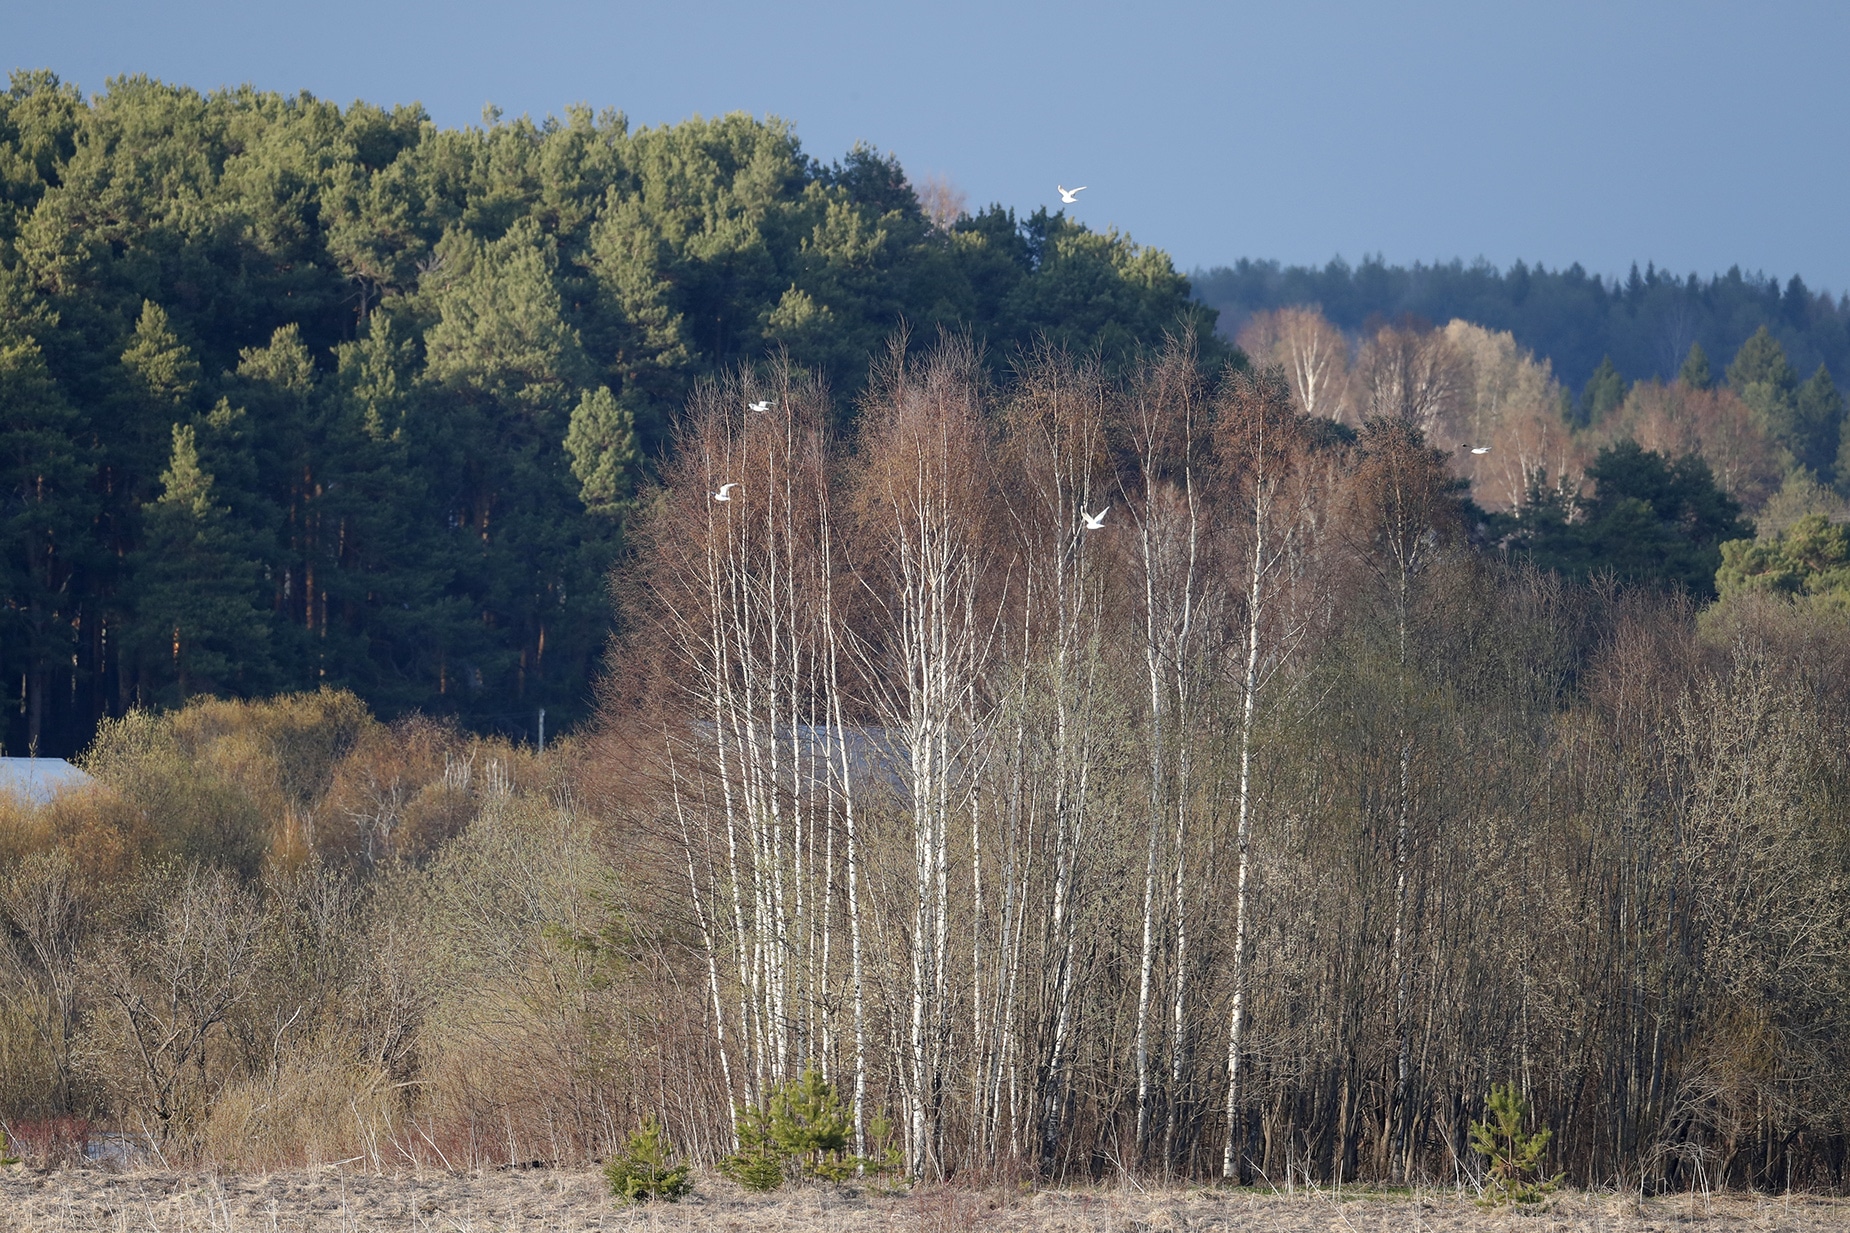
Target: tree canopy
{"x":1648,"y":519}
{"x":1809,"y":559}
{"x":1645,"y":322}
{"x":390,"y":386}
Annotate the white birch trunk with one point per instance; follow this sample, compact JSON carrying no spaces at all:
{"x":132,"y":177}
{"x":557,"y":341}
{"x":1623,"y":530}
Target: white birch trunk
{"x":1236,"y":1122}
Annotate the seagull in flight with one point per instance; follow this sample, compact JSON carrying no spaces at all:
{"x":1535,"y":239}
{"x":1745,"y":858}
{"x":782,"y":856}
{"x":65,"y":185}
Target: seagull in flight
{"x":1095,"y":522}
{"x":766,"y":405}
{"x":1480,"y":449}
{"x":725,"y":492}
{"x":1069,"y":196}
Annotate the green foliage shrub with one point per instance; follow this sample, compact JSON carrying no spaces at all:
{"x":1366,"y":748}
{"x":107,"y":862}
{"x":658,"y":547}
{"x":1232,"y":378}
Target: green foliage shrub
{"x":803,"y":1135}
{"x":5,"y":1157}
{"x":642,"y":1171}
{"x":812,"y":1127}
{"x":1809,"y":559}
{"x":1515,"y":1154}
{"x":757,"y":1165}
{"x":884,"y":1138}
{"x":1651,"y":519}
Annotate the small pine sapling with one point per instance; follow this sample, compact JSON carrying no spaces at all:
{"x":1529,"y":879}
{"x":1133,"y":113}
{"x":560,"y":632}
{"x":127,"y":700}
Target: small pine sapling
{"x":642,"y":1170}
{"x":802,"y":1136}
{"x":1515,"y":1155}
{"x":886,"y":1157}
{"x":758,"y":1164}
{"x":811,"y":1127}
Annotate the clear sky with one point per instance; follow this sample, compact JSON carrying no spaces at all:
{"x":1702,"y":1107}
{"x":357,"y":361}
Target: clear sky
{"x":1696,"y":135}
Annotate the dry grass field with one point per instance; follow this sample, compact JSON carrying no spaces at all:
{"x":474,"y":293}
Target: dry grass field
{"x":151,"y":1201}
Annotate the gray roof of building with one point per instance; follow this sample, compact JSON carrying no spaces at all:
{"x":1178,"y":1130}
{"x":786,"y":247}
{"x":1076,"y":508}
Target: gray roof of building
{"x":37,"y":780}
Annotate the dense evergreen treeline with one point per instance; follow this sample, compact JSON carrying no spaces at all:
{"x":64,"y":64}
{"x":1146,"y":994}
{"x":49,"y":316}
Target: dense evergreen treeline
{"x":294,"y":395}
{"x":1645,"y":323}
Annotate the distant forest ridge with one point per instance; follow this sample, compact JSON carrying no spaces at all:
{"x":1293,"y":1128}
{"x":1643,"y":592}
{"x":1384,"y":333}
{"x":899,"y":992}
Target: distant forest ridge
{"x":1645,"y":322}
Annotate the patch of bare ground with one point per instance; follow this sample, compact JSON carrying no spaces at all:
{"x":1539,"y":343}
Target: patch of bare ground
{"x":570,"y":1201}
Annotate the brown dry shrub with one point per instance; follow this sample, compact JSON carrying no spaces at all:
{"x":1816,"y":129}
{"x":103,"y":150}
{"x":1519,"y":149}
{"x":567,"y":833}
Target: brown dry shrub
{"x":178,"y":955}
{"x":282,"y":750}
{"x":317,"y":1106}
{"x":436,"y":814}
{"x":192,"y":814}
{"x":397,"y":794}
{"x":28,"y":1063}
{"x":105,"y":835}
{"x":526,"y":1047}
{"x":22,"y":829}
{"x":223,"y":782}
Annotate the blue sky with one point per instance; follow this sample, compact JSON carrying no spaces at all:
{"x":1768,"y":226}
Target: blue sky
{"x":1697,"y":135}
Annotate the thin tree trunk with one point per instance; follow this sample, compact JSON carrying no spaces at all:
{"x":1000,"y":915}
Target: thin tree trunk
{"x":1236,"y":1122}
{"x":1147,"y":958}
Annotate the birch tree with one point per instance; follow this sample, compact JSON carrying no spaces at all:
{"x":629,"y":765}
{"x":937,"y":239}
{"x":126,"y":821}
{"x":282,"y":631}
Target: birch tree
{"x":1056,"y":450}
{"x":1267,"y":503}
{"x":1166,"y":421}
{"x":757,"y":781}
{"x":922,"y":552}
{"x":1312,"y":353}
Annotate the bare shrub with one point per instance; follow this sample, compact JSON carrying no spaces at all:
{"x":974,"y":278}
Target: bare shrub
{"x":45,"y":906}
{"x":181,"y":959}
{"x":526,"y":950}
{"x":29,"y":1060}
{"x":395,"y":795}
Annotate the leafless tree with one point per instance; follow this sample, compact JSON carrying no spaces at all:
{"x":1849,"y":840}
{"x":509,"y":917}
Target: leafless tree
{"x":1312,"y":353}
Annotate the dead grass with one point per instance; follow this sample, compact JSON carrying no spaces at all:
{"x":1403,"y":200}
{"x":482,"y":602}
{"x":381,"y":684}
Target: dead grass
{"x":153,"y":1201}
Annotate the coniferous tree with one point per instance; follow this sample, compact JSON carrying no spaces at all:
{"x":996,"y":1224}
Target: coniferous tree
{"x":390,"y":614}
{"x":1764,"y":379}
{"x":1820,"y":417}
{"x":1809,"y":558}
{"x":164,"y":376}
{"x":1695,"y":372}
{"x":197,"y":628}
{"x":159,"y":383}
{"x":44,"y":525}
{"x":270,"y":464}
{"x":510,"y":369}
{"x":1761,"y":360}
{"x":1648,"y":520}
{"x":602,"y":443}
{"x":1604,"y":392}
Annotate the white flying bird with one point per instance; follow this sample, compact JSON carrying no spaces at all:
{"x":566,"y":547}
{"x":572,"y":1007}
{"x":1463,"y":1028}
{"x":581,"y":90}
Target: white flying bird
{"x":1095,"y":522}
{"x":766,"y":405}
{"x":1069,"y":196}
{"x":725,"y":492}
{"x":1480,"y":449}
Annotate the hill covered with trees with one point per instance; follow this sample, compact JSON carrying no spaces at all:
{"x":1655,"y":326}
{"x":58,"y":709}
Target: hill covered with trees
{"x":1644,"y":481}
{"x":294,"y":395}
